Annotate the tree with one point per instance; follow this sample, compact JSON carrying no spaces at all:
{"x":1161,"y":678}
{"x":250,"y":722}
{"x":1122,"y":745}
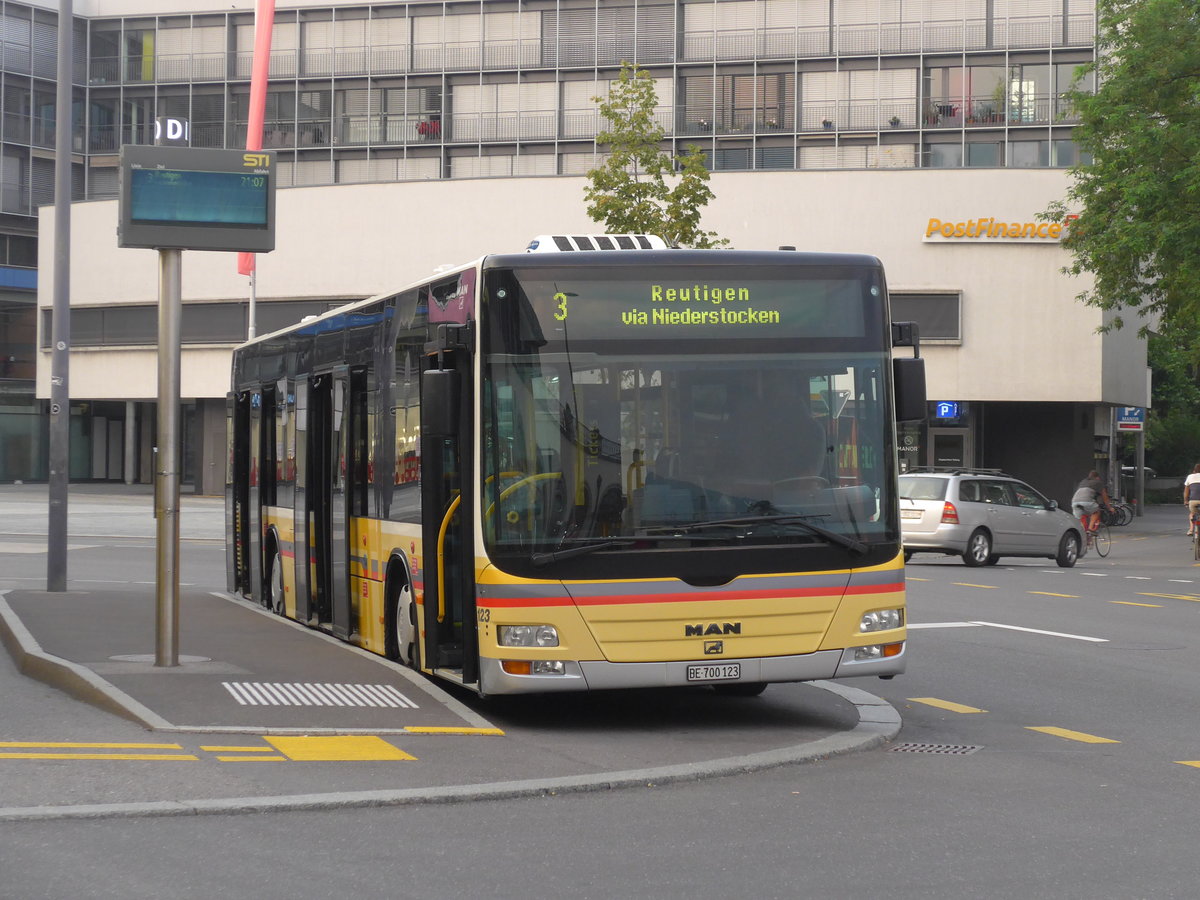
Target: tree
{"x":629,"y":192}
{"x":1138,"y":230}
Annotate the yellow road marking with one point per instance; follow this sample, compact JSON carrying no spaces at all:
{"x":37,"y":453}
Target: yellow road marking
{"x":915,"y":578}
{"x":252,"y":758}
{"x":337,"y":748}
{"x":1171,"y":596}
{"x":1050,"y":594}
{"x":1131,"y":603}
{"x":946,"y":704}
{"x":1185,"y":762}
{"x":160,"y":757}
{"x":1071,"y":735}
{"x":238,"y":749}
{"x":990,"y":587}
{"x":440,"y":729}
{"x":89,"y":746}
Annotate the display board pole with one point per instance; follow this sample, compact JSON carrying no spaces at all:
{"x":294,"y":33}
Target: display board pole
{"x":166,"y":511}
{"x":60,"y":327}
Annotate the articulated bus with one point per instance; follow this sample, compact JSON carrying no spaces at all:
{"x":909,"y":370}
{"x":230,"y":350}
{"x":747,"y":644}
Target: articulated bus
{"x":568,"y":470}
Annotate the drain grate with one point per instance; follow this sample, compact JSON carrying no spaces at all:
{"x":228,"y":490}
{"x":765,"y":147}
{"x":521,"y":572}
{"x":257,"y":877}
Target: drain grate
{"x":944,"y":749}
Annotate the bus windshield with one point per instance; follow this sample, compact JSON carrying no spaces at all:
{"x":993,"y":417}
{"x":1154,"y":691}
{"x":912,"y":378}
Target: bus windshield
{"x":633,"y":411}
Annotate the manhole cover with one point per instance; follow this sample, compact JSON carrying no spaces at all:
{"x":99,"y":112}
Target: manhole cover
{"x":945,"y":749}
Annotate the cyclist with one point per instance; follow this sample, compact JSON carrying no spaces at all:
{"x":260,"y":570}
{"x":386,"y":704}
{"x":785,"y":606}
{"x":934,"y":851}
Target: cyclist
{"x":1089,"y":496}
{"x":1191,"y":495}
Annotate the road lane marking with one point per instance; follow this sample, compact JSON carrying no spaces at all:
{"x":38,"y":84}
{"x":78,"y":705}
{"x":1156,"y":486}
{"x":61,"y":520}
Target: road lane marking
{"x":237,"y":749}
{"x":1195,"y":763}
{"x":1131,"y":603}
{"x":946,"y":704}
{"x":252,"y":758}
{"x":1095,"y":574}
{"x":157,"y":757}
{"x":912,"y":625}
{"x":1069,"y":735}
{"x":87,"y":746}
{"x":915,"y":578}
{"x":1049,"y":594}
{"x":337,"y":748}
{"x":1074,"y":637}
{"x":446,"y":729}
{"x":1170,"y":596}
{"x":1182,"y":580}
{"x":1139,"y":577}
{"x":990,"y":587}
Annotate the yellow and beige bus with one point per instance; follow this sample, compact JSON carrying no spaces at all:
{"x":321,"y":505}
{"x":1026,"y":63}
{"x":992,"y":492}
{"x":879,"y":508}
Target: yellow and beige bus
{"x":568,"y":470}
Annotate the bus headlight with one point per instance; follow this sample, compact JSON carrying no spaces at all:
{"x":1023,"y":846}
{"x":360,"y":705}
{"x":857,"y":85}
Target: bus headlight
{"x":881,"y":620}
{"x":528,"y":636}
{"x":877,"y":651}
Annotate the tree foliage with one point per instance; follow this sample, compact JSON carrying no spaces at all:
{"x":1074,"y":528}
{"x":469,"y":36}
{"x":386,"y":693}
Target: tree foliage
{"x":1138,"y":200}
{"x":629,"y":193}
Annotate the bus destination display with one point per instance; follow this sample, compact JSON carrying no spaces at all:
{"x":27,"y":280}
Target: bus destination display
{"x":718,"y":305}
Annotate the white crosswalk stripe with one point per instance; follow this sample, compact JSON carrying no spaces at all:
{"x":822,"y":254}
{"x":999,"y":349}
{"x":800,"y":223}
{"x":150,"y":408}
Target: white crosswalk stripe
{"x":251,"y":693}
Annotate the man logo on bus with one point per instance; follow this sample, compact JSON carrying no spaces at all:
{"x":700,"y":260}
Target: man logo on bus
{"x":712,"y":628}
{"x":711,"y":648}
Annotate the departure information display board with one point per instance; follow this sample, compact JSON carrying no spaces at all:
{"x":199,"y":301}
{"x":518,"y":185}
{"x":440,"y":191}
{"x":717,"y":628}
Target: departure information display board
{"x":197,"y":199}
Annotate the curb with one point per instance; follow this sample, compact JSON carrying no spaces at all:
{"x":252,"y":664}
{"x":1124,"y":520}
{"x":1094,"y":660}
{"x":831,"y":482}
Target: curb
{"x":878,"y":723}
{"x":73,"y":679}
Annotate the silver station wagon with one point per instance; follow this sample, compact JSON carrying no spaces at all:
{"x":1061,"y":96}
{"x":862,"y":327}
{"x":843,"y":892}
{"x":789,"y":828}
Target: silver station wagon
{"x":982,"y":515}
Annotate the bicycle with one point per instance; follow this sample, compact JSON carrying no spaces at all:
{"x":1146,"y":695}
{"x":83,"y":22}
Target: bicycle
{"x":1196,"y":535}
{"x":1100,"y":539}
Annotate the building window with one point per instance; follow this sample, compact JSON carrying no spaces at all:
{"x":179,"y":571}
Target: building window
{"x":945,"y":156}
{"x":984,"y":155}
{"x":938,"y":316}
{"x":1029,"y":154}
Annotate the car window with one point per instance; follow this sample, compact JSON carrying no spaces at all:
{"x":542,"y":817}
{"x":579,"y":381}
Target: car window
{"x":916,"y":487}
{"x":970,"y":491}
{"x":996,"y":492}
{"x":1028,"y":497}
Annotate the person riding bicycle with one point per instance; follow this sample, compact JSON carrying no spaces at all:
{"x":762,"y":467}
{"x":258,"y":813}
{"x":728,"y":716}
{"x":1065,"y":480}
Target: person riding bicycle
{"x":1089,"y":496}
{"x":1191,"y":495}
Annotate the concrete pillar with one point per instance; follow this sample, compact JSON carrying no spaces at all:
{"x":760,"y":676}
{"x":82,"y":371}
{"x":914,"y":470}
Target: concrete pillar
{"x":130,"y":441}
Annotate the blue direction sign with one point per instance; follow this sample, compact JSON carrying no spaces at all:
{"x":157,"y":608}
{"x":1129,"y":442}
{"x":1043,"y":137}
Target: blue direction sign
{"x":1131,"y":418}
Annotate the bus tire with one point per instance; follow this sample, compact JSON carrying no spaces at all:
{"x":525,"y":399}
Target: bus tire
{"x":273,"y":596}
{"x":400,"y":640}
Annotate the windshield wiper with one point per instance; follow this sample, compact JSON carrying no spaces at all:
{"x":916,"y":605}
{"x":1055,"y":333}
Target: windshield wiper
{"x":592,"y":545}
{"x":544,"y":559}
{"x":783,"y":519}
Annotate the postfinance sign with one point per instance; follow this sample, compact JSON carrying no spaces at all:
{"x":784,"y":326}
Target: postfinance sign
{"x":993,"y":230}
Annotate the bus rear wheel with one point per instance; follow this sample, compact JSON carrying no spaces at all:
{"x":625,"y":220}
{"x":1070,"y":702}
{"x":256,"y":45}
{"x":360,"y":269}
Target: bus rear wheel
{"x":274,"y":598}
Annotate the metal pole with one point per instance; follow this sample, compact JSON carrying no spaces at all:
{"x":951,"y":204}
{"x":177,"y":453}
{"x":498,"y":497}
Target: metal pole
{"x":251,"y":330}
{"x":60,"y":329}
{"x":170,"y":312}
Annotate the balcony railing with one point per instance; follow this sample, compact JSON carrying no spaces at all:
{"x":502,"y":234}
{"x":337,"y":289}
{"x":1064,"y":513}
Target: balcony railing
{"x":991,"y":112}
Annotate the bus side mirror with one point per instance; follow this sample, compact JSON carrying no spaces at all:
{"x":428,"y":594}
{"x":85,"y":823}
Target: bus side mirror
{"x":908,"y":378}
{"x":440,"y":400}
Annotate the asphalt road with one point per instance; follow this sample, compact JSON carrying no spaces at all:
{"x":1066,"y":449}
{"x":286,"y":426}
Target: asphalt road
{"x":1049,"y":748}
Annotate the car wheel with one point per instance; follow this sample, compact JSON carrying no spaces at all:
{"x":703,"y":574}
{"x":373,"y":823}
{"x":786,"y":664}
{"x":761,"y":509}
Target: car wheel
{"x":1068,"y":550}
{"x":979,"y":548}
{"x":992,"y":560}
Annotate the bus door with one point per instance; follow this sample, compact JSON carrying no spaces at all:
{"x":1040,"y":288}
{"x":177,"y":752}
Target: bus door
{"x":301,"y":508}
{"x":237,"y":491}
{"x":448,"y":500}
{"x":254,"y":499}
{"x":325,"y":503}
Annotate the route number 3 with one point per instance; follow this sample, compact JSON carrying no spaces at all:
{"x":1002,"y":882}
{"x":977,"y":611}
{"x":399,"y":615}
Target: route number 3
{"x":561,"y":313}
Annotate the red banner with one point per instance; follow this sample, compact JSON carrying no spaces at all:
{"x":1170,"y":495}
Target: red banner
{"x":264,"y":22}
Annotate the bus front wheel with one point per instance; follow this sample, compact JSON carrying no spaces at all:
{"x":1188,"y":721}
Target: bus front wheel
{"x":401,"y":638}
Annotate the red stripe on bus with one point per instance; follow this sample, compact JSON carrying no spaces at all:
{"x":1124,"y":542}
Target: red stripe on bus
{"x":621,"y":599}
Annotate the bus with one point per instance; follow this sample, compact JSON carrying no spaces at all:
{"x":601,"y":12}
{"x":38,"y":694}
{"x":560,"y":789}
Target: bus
{"x":639,"y":466}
